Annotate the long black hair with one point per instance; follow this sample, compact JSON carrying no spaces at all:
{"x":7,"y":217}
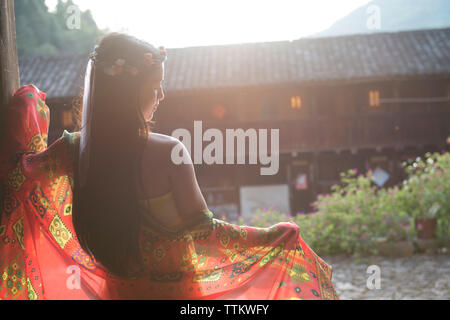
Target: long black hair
{"x":105,"y":208}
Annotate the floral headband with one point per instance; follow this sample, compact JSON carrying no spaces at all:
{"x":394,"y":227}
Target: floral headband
{"x":121,"y":66}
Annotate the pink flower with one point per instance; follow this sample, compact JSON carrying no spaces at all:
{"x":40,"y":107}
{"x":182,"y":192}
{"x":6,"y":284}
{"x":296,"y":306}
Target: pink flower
{"x":163,"y":51}
{"x":355,"y":171}
{"x":420,"y":226}
{"x":363,"y":236}
{"x":438,"y":188}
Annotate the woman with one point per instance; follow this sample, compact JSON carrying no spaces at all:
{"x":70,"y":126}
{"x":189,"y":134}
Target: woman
{"x":105,"y":214}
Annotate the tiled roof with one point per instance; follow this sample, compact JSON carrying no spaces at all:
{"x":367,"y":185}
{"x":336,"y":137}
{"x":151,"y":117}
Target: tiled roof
{"x":58,"y":76}
{"x":355,"y":58}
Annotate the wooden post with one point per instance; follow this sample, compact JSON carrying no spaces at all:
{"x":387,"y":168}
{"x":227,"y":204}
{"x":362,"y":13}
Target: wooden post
{"x":9,"y":66}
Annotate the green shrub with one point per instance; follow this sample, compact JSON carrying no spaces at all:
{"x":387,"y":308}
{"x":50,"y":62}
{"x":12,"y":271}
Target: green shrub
{"x":426,"y":192}
{"x":358,"y":213}
{"x":265,"y":218}
{"x":340,"y":232}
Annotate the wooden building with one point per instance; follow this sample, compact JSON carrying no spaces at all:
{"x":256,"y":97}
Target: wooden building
{"x":361,"y":101}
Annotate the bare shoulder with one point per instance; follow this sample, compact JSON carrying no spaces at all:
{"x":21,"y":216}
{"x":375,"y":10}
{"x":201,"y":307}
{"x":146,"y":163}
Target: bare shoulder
{"x":160,"y":145}
{"x":162,"y":139}
{"x":165,"y":150}
{"x":174,"y":170}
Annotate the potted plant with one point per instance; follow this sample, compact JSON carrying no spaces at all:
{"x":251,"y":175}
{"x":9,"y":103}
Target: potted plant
{"x":426,"y":224}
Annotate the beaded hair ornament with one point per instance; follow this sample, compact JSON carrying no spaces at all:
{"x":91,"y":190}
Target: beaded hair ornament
{"x":121,"y":66}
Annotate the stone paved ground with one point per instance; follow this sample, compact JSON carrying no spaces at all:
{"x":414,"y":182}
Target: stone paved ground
{"x":413,"y":278}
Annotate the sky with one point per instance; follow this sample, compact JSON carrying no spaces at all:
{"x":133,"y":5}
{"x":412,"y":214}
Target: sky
{"x":187,"y":23}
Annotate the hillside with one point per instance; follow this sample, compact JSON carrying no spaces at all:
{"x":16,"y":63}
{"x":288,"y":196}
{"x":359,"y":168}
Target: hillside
{"x":395,"y":15}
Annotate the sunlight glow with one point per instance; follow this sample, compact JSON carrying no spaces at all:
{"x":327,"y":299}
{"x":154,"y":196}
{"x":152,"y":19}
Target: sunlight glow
{"x":178,"y":23}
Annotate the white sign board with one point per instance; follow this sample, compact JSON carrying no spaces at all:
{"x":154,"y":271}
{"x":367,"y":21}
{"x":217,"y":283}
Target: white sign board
{"x":260,"y":197}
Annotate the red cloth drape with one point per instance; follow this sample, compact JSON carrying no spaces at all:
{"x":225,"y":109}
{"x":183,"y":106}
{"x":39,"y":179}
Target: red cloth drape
{"x":40,"y":257}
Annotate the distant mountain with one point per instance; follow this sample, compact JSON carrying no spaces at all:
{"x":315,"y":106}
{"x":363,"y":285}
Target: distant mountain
{"x":391,"y":16}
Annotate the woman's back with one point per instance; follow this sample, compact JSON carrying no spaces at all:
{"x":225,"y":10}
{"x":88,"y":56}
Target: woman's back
{"x":161,"y":177}
{"x":154,"y":166}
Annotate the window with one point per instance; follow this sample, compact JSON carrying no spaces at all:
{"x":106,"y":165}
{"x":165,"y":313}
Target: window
{"x":67,"y":118}
{"x":296,"y":102}
{"x":374,"y":98}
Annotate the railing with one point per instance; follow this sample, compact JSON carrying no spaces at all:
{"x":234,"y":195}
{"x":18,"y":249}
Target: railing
{"x":348,"y":132}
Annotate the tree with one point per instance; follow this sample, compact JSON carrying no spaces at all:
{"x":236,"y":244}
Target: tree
{"x":40,"y":32}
